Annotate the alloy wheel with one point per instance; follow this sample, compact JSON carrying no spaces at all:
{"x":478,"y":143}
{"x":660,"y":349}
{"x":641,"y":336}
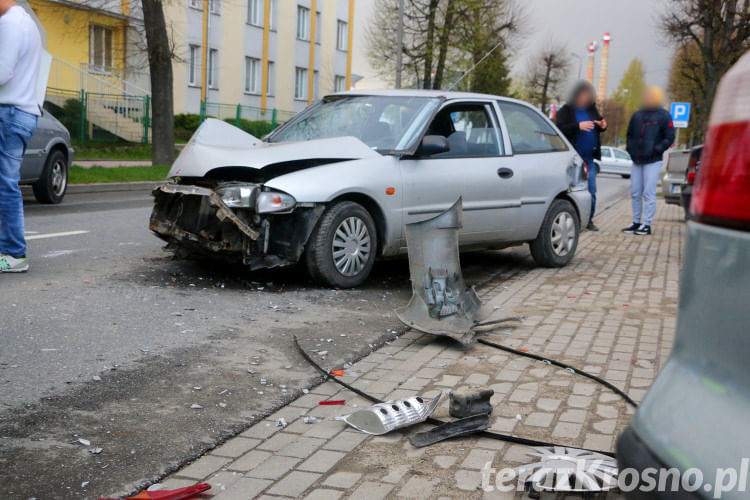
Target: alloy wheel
{"x":351,"y":246}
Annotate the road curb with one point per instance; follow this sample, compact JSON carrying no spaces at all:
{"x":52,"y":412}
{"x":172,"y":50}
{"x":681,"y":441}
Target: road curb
{"x":107,"y":187}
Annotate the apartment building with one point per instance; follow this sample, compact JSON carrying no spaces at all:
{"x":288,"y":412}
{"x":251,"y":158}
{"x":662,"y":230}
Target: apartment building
{"x":269,"y":54}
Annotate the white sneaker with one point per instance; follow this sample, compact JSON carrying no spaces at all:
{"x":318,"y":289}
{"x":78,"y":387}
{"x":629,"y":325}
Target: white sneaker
{"x":10,"y":264}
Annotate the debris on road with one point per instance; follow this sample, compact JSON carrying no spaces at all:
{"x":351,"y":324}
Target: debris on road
{"x":338,"y":373}
{"x":332,"y":402}
{"x":96,"y":451}
{"x":309,"y":419}
{"x":450,"y":430}
{"x":196,"y":406}
{"x":467,"y":404}
{"x":178,"y":494}
{"x":84,"y":442}
{"x":281,"y":422}
{"x":559,"y":469}
{"x":383,"y":418}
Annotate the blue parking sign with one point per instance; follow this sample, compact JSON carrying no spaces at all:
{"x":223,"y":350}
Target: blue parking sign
{"x":680,"y":114}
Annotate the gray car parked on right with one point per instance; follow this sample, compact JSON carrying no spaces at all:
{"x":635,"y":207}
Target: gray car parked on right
{"x":696,"y":416}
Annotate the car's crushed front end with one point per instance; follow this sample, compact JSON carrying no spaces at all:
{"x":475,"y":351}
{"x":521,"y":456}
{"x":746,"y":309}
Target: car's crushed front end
{"x":240,"y":222}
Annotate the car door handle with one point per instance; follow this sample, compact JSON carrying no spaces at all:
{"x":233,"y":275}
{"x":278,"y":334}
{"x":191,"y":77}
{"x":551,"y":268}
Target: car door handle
{"x":505,"y":173}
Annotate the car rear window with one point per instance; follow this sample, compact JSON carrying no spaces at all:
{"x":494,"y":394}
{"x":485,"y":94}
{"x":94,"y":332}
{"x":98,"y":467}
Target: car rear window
{"x":529,"y":131}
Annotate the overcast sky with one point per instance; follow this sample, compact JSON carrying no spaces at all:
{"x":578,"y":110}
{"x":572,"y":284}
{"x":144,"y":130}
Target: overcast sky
{"x":632,"y":24}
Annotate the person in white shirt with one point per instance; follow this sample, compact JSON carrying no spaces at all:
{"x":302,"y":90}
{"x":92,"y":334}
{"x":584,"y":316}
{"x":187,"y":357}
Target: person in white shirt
{"x":20,"y":54}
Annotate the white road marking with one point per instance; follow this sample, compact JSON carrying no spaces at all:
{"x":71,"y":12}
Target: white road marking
{"x":54,"y":235}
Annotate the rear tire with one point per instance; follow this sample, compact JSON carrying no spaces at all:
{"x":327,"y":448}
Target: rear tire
{"x":556,"y":243}
{"x":341,"y":250}
{"x":52,"y":184}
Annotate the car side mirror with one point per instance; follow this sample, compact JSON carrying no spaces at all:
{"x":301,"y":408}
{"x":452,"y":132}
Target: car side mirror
{"x":433,"y":145}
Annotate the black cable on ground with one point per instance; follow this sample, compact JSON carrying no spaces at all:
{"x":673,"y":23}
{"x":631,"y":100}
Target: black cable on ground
{"x":600,"y":380}
{"x":434,"y":421}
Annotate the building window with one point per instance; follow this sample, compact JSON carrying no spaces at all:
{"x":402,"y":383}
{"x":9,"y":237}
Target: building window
{"x":300,"y":83}
{"x":196,"y":4}
{"x":193,"y":64}
{"x":214,"y":6}
{"x":271,"y":79}
{"x":339,"y":83}
{"x":213,"y":66}
{"x":317,"y":27}
{"x":100,"y":47}
{"x":342,"y":30}
{"x":303,"y":23}
{"x":255,"y":12}
{"x":252,"y":75}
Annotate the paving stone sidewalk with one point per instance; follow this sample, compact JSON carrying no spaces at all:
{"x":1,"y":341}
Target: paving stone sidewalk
{"x":612,"y":313}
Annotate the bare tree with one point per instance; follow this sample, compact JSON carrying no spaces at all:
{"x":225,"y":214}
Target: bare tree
{"x":715,"y":32}
{"x":546,"y":74}
{"x":441,"y":37}
{"x":160,"y":68}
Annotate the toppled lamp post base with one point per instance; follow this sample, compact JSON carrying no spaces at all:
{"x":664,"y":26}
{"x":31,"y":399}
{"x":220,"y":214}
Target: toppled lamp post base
{"x":441,"y":304}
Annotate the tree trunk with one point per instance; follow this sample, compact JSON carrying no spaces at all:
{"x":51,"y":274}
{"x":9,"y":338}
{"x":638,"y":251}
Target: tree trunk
{"x":443,"y":45}
{"x":429,"y":46}
{"x":160,"y":67}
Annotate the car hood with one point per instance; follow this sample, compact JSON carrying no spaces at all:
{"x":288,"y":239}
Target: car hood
{"x":217,"y":144}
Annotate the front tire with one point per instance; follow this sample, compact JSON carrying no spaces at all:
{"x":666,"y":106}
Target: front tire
{"x":556,"y":243}
{"x":52,"y":184}
{"x":341,"y":250}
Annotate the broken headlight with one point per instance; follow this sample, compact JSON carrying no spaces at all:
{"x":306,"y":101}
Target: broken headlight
{"x":237,"y":196}
{"x":274,"y":201}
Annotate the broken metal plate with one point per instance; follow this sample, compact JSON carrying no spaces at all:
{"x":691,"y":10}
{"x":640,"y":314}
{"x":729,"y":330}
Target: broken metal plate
{"x":441,"y":304}
{"x":472,"y":403}
{"x":390,"y":415}
{"x":449,"y":430}
{"x":560,"y":469}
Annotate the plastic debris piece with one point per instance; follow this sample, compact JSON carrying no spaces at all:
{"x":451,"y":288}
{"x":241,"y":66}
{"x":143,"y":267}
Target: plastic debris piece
{"x":332,"y":402}
{"x":310,"y":419}
{"x":178,"y":494}
{"x":222,"y":405}
{"x":281,"y":422}
{"x":391,"y":415}
{"x":84,"y":484}
{"x":84,"y":442}
{"x":450,"y":430}
{"x":338,"y":373}
{"x":305,"y":391}
{"x":196,"y":406}
{"x":467,"y":404}
{"x":97,"y":378}
{"x":322,"y":353}
{"x":95,"y":451}
{"x":197,"y":388}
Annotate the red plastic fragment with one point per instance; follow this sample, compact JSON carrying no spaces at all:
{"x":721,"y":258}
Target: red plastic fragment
{"x":178,"y":494}
{"x":332,"y":402}
{"x":338,"y":373}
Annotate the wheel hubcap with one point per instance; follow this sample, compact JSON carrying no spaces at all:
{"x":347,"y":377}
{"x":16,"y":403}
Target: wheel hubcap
{"x":58,"y":179}
{"x":351,"y":246}
{"x":563,"y":234}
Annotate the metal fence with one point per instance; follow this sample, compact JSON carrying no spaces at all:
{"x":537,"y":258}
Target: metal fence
{"x":237,"y":112}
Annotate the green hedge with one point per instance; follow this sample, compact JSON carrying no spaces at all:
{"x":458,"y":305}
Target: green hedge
{"x":257,"y":128}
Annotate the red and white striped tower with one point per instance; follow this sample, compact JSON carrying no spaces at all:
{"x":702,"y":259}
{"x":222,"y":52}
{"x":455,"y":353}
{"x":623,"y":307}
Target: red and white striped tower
{"x":602,"y":93}
{"x":590,"y":63}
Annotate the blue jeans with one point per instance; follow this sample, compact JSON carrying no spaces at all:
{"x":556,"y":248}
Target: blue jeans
{"x":643,"y":180}
{"x":16,"y":127}
{"x":592,"y":186}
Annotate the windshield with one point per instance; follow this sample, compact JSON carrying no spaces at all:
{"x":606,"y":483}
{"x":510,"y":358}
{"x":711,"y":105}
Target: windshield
{"x":385,"y":123}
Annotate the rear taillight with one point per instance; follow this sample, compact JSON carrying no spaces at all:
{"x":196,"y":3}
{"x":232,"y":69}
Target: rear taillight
{"x":690,"y":174}
{"x":722,"y":191}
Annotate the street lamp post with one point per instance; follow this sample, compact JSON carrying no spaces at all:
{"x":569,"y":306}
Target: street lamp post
{"x":400,"y":44}
{"x":580,"y":63}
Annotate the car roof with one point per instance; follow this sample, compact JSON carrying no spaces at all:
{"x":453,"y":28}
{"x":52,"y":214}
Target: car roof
{"x":446,"y":94}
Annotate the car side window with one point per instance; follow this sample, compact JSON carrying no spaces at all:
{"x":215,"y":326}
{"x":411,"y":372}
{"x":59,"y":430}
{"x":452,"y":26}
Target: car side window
{"x":606,"y":152}
{"x":621,"y":155}
{"x":529,"y":131}
{"x":470,"y":130}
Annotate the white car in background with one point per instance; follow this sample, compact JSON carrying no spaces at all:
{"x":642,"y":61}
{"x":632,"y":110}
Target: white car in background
{"x":615,"y":161}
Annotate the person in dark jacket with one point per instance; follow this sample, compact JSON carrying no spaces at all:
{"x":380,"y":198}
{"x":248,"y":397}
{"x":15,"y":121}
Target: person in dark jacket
{"x":650,"y":134}
{"x":581,"y":123}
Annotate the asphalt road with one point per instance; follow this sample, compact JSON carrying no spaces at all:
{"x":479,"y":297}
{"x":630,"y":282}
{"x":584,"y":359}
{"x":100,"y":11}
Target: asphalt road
{"x":111,"y":340}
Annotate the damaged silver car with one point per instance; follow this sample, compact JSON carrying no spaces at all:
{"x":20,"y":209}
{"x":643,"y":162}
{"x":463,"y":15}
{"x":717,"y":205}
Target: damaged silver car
{"x":336,"y":185}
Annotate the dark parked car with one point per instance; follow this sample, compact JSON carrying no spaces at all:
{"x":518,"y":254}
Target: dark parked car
{"x":690,"y":174}
{"x":696,"y":415}
{"x":47,"y":160}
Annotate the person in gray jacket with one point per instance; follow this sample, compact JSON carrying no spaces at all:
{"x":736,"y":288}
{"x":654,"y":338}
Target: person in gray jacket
{"x":20,"y":55}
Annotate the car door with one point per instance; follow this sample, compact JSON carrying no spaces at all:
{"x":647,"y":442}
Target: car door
{"x":623,"y":161}
{"x":540,"y":158}
{"x":473,"y":168}
{"x":35,"y":154}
